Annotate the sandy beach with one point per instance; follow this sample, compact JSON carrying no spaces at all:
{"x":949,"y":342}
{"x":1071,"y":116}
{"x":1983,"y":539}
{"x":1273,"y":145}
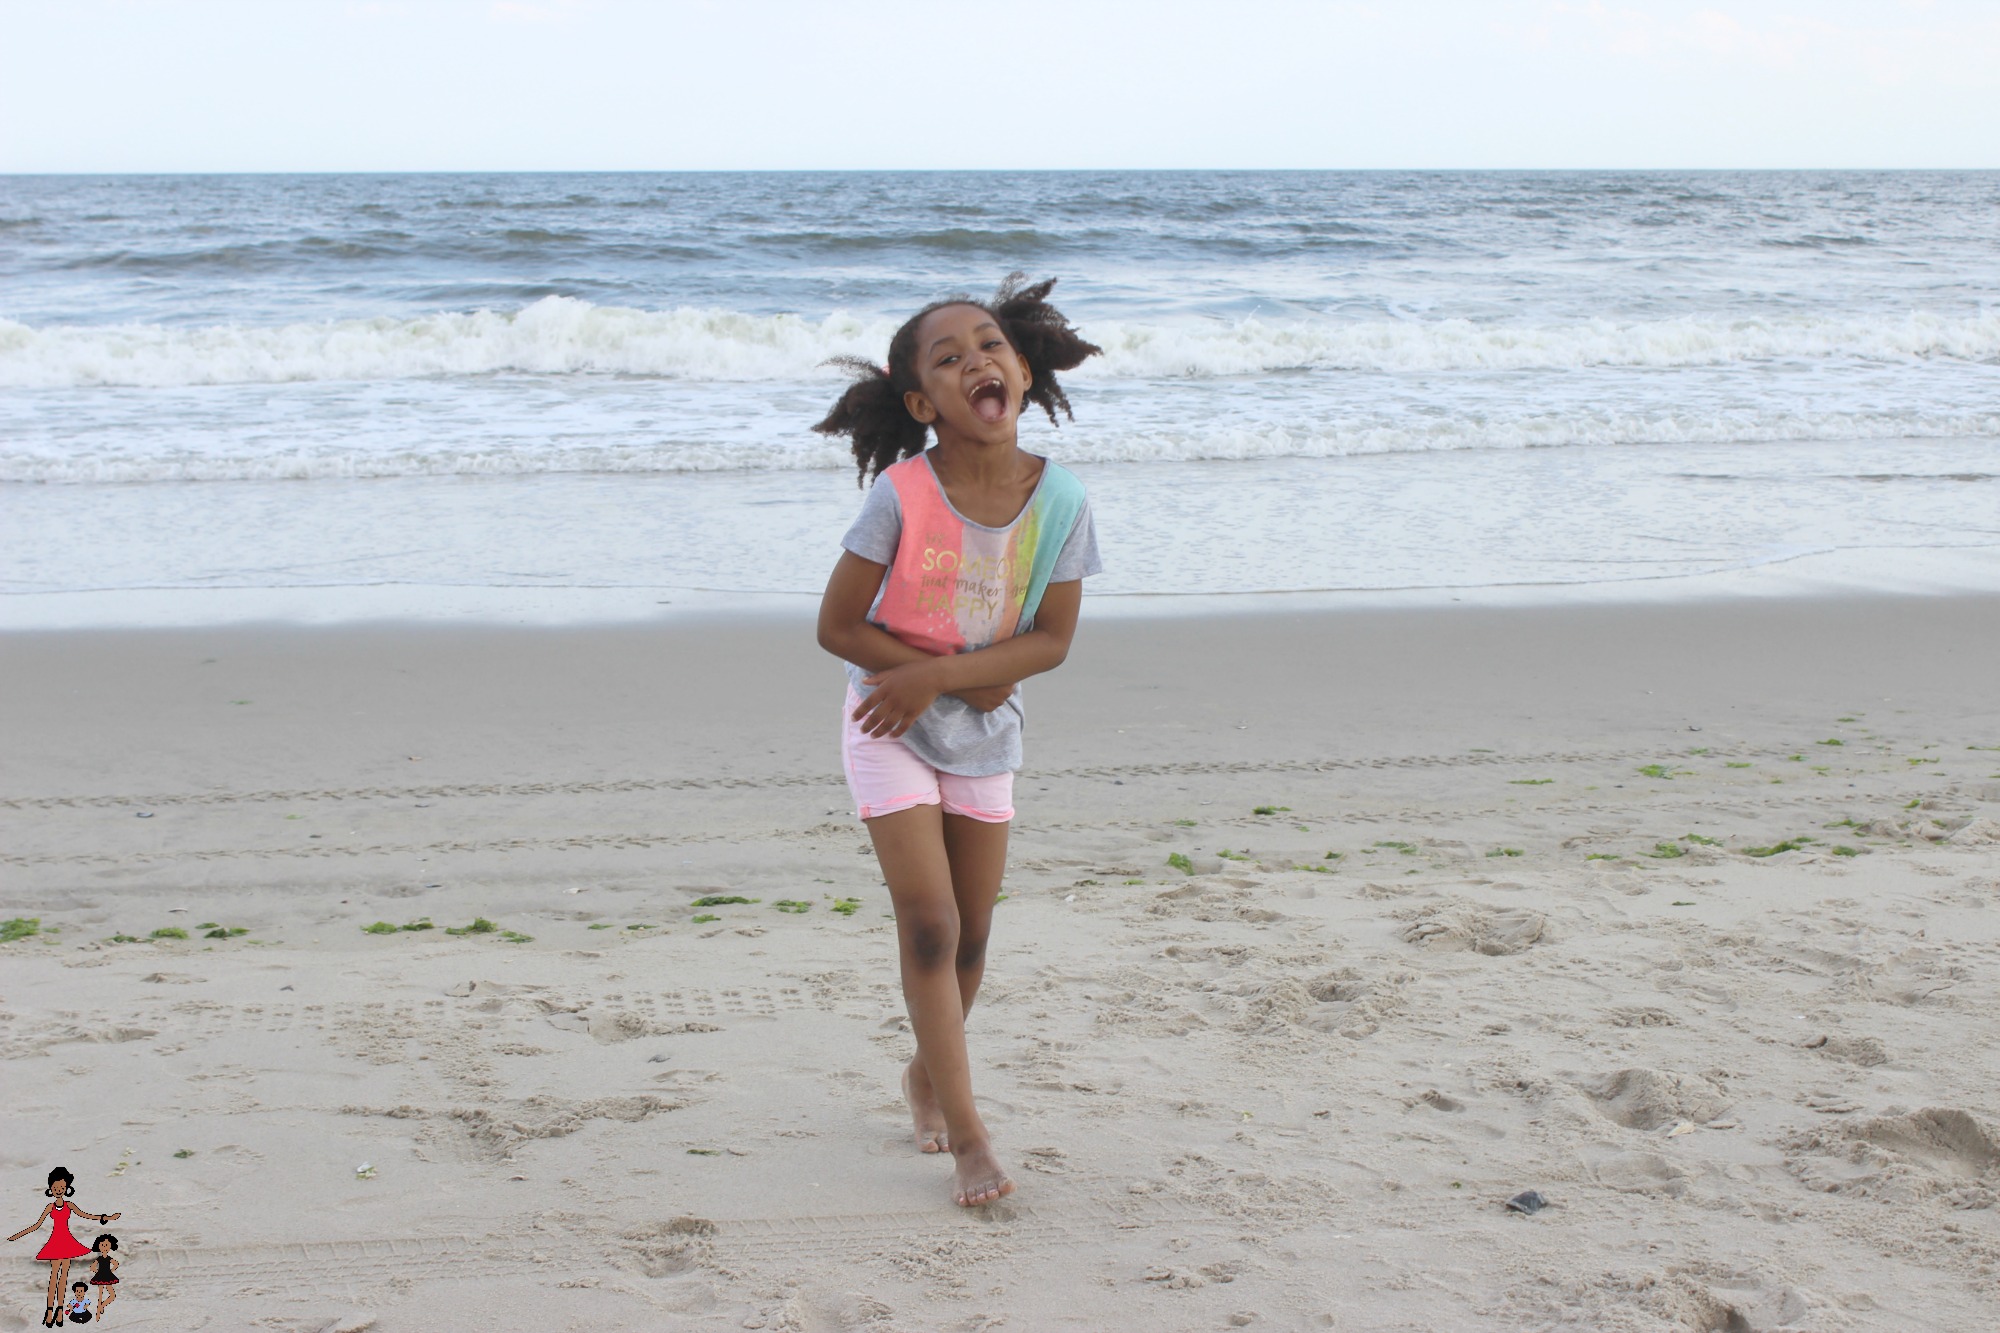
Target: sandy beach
{"x":1326,"y":935}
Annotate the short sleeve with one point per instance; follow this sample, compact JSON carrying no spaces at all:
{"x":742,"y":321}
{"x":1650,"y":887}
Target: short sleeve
{"x":879,"y":526}
{"x":1078,"y":557}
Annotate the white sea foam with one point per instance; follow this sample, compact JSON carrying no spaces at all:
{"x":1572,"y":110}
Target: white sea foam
{"x":1185,"y":444}
{"x":562,"y":336}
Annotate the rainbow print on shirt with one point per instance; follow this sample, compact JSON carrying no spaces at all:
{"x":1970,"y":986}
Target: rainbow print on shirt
{"x":957,"y":586}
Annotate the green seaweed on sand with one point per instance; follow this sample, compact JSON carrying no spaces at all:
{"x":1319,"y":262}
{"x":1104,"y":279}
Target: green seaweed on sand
{"x":1228,"y":855}
{"x":1135,"y":881}
{"x":479,"y":925}
{"x":704,"y":1152}
{"x":1914,"y":762}
{"x":170,"y":933}
{"x":603,"y":925}
{"x":1856,"y":718}
{"x":1183,"y":823}
{"x":1270,"y":809}
{"x":1844,"y":850}
{"x":1788,"y":845}
{"x":1736,"y":763}
{"x":19,"y":928}
{"x":226,"y":932}
{"x":1831,"y":740}
{"x":1915,"y":801}
{"x":206,"y":925}
{"x":1180,"y":862}
{"x":1406,"y":848}
{"x":703,"y":918}
{"x":1529,"y":782}
{"x":1602,"y":856}
{"x":1333,"y":856}
{"x":185,"y":1153}
{"x":126,"y":939}
{"x":1655,"y":771}
{"x":516,"y":937}
{"x":1684,"y":902}
{"x":1700,"y":841}
{"x":1317,"y":870}
{"x":1702,"y":749}
{"x":846,"y":906}
{"x":1506,"y":851}
{"x":792,"y":905}
{"x":723,"y":900}
{"x":642,"y":925}
{"x":1842,"y":823}
{"x":1666,"y":851}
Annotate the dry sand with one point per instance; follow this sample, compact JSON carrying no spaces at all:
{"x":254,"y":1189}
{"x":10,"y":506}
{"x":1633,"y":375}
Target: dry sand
{"x":1277,"y":1092}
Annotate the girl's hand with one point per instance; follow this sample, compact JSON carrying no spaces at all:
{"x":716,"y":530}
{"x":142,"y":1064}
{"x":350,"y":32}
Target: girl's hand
{"x":900,"y":696}
{"x":986,"y":698}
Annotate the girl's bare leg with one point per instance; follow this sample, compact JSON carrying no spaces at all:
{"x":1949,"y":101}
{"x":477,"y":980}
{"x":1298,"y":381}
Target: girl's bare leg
{"x":59,"y":1289}
{"x":910,"y":845}
{"x":977,"y":855}
{"x":105,"y":1295}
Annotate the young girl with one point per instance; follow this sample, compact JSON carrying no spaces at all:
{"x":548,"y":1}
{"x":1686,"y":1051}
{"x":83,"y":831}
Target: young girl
{"x":61,"y":1246}
{"x":105,"y":1279}
{"x":961,"y":578}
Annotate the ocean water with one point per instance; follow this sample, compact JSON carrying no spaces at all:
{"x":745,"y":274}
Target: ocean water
{"x":457,"y":394}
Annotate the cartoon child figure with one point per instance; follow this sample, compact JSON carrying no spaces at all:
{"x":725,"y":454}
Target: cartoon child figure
{"x":105,"y":1279}
{"x":79,"y":1303}
{"x":61,"y":1247}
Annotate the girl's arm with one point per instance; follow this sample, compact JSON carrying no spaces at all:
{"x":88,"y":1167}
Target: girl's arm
{"x":845,"y":631}
{"x":904,"y":690}
{"x":37,"y":1225}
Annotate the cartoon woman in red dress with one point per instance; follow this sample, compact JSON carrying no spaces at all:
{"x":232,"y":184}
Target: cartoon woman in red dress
{"x":61,"y":1247}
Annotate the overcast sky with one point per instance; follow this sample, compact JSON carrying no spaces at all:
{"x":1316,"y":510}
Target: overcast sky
{"x":427,"y":85}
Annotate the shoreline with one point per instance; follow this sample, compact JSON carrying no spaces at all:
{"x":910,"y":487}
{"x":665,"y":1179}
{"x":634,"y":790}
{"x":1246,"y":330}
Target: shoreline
{"x":1563,"y":946}
{"x":1810,"y":576}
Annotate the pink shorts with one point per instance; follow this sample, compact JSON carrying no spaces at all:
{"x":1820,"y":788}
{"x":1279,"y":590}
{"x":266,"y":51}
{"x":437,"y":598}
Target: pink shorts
{"x":886,"y":775}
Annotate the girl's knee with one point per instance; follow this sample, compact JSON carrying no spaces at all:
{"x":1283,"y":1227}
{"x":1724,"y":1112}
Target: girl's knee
{"x":930,"y":943}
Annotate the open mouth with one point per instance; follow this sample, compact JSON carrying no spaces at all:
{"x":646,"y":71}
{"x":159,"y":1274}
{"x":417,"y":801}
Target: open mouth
{"x":989,"y":400}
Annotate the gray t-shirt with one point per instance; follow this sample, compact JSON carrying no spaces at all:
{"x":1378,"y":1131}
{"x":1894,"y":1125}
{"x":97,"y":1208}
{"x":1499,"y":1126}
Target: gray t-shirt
{"x":957,"y":586}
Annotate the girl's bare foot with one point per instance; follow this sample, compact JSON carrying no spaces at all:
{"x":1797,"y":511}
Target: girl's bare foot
{"x":924,"y":1109}
{"x":981,"y":1178}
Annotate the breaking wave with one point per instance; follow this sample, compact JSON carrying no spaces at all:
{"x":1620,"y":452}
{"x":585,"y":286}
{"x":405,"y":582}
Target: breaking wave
{"x":559,"y":335}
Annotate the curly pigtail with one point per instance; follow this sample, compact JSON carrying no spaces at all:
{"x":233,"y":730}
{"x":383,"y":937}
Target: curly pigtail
{"x":872,"y":415}
{"x":1043,"y":335}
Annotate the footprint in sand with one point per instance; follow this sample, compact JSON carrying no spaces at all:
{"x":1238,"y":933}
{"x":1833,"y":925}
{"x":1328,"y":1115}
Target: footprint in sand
{"x":1903,"y":1158}
{"x":1648,"y":1099}
{"x":1496,"y":932}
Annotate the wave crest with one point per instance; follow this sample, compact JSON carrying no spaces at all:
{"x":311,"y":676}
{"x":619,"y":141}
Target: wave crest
{"x":1337,"y":439}
{"x":559,"y":335}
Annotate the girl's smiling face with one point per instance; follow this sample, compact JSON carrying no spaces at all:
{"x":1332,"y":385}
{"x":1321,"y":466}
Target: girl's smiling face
{"x":971,"y":380}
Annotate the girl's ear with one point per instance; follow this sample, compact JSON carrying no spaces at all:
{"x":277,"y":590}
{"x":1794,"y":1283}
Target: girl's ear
{"x":919,"y":407}
{"x":1027,"y":375}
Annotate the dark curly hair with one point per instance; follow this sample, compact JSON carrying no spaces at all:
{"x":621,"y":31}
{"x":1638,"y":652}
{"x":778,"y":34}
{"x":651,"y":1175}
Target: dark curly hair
{"x":103,"y":1236}
{"x":60,"y":1173}
{"x":871,"y":413}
